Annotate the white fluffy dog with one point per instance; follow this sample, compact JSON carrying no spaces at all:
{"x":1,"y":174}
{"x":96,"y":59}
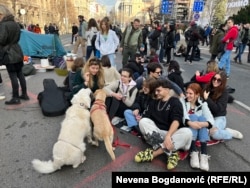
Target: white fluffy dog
{"x":69,"y":148}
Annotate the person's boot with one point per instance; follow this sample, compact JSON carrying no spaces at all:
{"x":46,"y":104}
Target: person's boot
{"x":24,"y":97}
{"x":13,"y":101}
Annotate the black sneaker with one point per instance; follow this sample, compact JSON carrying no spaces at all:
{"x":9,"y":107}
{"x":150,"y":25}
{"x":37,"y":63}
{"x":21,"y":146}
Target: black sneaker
{"x":13,"y":101}
{"x":24,"y":97}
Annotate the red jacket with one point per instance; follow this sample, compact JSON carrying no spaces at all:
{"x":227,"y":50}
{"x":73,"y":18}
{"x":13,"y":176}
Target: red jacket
{"x":205,"y":78}
{"x":231,"y":35}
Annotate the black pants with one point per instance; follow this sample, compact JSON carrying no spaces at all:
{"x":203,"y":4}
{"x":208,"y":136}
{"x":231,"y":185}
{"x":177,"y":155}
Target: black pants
{"x":192,"y":53}
{"x":168,"y":54}
{"x":1,"y":81}
{"x":14,"y":77}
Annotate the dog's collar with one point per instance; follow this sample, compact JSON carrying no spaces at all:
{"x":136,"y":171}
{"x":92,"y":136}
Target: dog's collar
{"x":100,"y":105}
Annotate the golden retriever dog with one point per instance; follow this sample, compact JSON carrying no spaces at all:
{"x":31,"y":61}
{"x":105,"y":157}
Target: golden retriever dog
{"x":103,"y":130}
{"x":76,"y":126}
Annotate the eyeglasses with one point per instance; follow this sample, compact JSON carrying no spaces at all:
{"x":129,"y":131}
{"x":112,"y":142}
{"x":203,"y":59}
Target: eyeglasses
{"x":216,"y":79}
{"x":158,"y":72}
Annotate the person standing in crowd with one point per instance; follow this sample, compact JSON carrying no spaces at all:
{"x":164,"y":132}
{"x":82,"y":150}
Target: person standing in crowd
{"x":90,"y":33}
{"x":244,"y":39}
{"x":145,"y":33}
{"x":74,"y":32}
{"x":155,"y":35}
{"x":208,"y":30}
{"x":216,"y":95}
{"x":192,"y":36}
{"x":132,"y":41}
{"x":37,"y":29}
{"x":10,"y":32}
{"x":81,"y":36}
{"x":164,"y":31}
{"x":229,"y":38}
{"x":46,"y":29}
{"x":199,"y":118}
{"x":216,"y":46}
{"x":107,"y":41}
{"x":169,"y":43}
{"x":51,"y":29}
{"x":162,"y":127}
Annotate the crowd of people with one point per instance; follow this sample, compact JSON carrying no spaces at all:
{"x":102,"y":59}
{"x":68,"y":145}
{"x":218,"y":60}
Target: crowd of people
{"x":167,"y":113}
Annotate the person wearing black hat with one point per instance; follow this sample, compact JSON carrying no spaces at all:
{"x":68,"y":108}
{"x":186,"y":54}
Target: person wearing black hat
{"x":81,"y":36}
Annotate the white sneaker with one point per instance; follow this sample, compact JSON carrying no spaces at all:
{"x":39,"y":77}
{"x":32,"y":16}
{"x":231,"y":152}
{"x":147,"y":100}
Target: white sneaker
{"x":235,"y":134}
{"x":194,"y":159}
{"x":2,"y":97}
{"x":115,"y":120}
{"x":204,"y":162}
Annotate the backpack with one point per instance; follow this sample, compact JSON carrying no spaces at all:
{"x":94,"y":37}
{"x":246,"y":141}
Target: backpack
{"x":52,"y":100}
{"x":93,"y":40}
{"x":28,"y":69}
{"x":237,"y":40}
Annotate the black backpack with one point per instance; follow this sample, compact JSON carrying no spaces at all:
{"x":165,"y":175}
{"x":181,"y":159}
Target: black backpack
{"x":52,"y":100}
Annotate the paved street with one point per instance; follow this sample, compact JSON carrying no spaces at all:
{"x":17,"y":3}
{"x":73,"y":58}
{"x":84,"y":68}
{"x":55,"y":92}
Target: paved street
{"x":25,"y":134}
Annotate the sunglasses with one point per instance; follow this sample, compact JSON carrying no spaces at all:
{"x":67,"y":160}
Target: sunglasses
{"x":216,"y":79}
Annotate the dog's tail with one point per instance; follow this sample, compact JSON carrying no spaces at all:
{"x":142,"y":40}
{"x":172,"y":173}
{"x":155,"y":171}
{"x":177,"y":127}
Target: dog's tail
{"x":46,"y":167}
{"x":109,"y":148}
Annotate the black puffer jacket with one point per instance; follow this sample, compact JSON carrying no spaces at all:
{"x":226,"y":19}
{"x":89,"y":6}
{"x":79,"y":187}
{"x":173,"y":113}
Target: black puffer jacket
{"x":9,"y":36}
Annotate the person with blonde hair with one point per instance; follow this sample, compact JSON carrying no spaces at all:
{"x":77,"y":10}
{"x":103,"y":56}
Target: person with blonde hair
{"x":10,"y":32}
{"x":91,"y":76}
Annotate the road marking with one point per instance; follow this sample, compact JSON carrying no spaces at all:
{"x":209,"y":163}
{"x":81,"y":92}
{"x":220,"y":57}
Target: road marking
{"x":242,"y":105}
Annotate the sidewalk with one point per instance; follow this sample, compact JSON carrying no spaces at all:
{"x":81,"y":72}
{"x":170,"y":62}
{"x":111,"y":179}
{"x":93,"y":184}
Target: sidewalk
{"x":205,"y":53}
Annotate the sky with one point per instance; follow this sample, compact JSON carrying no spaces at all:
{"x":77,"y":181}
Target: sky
{"x":107,"y":2}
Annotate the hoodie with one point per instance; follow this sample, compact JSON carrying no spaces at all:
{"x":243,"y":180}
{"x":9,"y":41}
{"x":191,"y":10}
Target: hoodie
{"x":230,"y":36}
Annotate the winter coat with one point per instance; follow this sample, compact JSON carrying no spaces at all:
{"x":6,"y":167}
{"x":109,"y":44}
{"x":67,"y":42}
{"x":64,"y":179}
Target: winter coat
{"x":10,"y":32}
{"x":217,"y":42}
{"x":154,"y":38}
{"x":231,"y":35}
{"x":175,"y":76}
{"x":201,"y":109}
{"x":107,"y":45}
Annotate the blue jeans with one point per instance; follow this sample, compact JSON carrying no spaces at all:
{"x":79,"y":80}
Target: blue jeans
{"x":130,"y":118}
{"x":240,"y":51}
{"x":199,"y":134}
{"x":89,"y":51}
{"x":221,"y":134}
{"x":225,"y":61}
{"x":161,"y":54}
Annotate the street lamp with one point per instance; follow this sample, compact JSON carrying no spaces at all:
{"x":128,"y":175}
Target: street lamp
{"x":23,"y":12}
{"x":66,"y":16}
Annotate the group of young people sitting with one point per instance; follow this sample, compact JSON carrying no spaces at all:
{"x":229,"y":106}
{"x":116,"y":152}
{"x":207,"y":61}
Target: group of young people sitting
{"x":168,"y":117}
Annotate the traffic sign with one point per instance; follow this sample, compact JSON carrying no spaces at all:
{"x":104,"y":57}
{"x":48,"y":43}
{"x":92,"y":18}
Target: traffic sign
{"x":198,"y":5}
{"x":166,"y":7}
{"x":196,"y":16}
